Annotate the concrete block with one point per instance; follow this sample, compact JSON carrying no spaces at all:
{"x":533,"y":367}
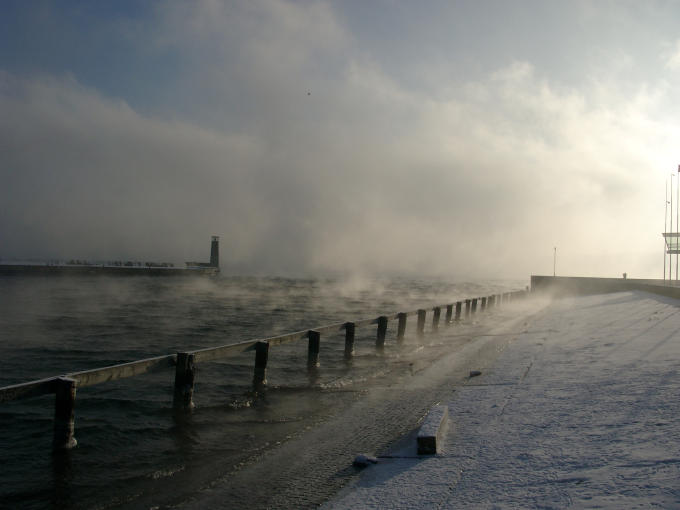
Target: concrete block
{"x":431,"y":433}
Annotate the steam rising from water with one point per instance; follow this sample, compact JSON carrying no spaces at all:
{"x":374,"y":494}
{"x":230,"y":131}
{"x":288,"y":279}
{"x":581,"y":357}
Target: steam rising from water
{"x":130,"y":446}
{"x":313,"y":148}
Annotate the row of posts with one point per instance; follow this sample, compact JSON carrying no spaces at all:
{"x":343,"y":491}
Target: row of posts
{"x":185,"y":371}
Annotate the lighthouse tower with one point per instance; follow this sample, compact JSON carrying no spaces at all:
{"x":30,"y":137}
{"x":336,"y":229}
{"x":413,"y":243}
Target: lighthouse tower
{"x":215,"y":251}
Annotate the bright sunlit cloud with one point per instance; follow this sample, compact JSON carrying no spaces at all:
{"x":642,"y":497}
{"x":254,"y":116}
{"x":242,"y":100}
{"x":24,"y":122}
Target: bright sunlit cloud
{"x":286,"y":129}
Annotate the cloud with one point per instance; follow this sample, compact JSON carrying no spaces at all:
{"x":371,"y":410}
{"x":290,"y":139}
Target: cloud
{"x":87,"y":176}
{"x":672,"y":58}
{"x":362,"y":174}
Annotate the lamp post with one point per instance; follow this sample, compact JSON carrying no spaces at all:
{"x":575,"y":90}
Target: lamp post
{"x":555,"y":260}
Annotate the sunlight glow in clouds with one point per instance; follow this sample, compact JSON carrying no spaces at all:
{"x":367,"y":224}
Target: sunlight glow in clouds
{"x":280,"y":128}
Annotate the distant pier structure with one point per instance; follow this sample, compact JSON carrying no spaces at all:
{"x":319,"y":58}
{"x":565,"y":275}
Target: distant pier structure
{"x":81,"y":267}
{"x":672,"y":247}
{"x":214,"y":256}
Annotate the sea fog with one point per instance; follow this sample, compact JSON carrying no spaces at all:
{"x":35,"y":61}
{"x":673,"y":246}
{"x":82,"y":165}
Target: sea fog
{"x":132,"y":450}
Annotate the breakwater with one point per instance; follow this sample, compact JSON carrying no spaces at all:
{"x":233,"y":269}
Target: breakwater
{"x":581,"y":285}
{"x":102,"y":269}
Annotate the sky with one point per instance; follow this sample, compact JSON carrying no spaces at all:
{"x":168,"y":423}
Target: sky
{"x":459,"y":138}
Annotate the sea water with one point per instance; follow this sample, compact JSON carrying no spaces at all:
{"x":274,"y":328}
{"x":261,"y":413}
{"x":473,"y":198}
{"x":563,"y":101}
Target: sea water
{"x":133,"y":450}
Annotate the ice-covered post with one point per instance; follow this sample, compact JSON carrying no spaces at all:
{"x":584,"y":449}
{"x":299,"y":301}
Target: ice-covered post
{"x":64,"y":413}
{"x":483,"y":304}
{"x":349,"y":340}
{"x":420,"y":329}
{"x":401,"y":326}
{"x":474,"y":305}
{"x":459,"y":309}
{"x":184,"y":382}
{"x":435,"y":318}
{"x":449,"y":314}
{"x":260,"y":373}
{"x":467,"y":307}
{"x":382,"y":331}
{"x":313,"y":349}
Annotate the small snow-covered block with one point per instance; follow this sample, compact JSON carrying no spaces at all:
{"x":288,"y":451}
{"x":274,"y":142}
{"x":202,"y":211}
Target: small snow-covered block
{"x":431,"y":432}
{"x":362,"y":460}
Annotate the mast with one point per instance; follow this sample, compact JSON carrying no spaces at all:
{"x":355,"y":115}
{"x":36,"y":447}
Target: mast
{"x":665,"y":228}
{"x":670,"y":246}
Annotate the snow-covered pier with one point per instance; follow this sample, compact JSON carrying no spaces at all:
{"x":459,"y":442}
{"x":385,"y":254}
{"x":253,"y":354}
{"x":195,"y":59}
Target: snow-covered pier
{"x":580,"y":409}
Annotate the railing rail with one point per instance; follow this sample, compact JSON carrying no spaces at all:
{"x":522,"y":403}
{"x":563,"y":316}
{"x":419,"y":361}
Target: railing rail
{"x":64,"y":386}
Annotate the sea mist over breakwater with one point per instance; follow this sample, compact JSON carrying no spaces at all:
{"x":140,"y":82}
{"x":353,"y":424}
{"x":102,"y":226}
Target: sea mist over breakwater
{"x":130,"y":445}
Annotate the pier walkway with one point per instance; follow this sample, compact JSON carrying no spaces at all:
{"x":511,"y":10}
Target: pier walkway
{"x":581,"y":409}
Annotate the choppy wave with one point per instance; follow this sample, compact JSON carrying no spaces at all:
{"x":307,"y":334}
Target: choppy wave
{"x":130,"y":443}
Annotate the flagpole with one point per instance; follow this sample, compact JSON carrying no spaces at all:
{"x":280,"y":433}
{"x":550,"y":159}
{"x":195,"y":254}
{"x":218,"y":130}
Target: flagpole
{"x":670,"y":255}
{"x":665,"y":227}
{"x":677,"y":220}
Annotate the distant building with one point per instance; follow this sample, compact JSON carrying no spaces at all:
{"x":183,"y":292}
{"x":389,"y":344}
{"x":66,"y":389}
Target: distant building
{"x":214,"y":255}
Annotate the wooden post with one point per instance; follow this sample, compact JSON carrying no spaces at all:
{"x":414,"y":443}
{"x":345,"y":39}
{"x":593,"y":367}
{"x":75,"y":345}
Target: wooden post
{"x":420,"y":329}
{"x":449,"y":314}
{"x":435,"y":318}
{"x":64,"y":415}
{"x":492,"y":301}
{"x":349,"y":340}
{"x":467,"y":307}
{"x":459,"y":308}
{"x":382,"y":331}
{"x":260,"y":372}
{"x":313,"y":349}
{"x":401,"y":326}
{"x":483,"y":304}
{"x":184,"y":382}
{"x":474,"y":306}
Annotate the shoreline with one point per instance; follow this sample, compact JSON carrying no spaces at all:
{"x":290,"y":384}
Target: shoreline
{"x":310,"y":468}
